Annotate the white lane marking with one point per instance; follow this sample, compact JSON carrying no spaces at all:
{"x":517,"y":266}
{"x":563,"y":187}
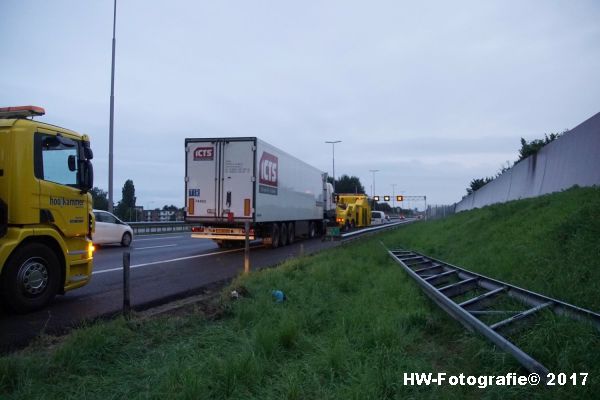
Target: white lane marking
{"x":159,"y":238}
{"x":172,"y":260}
{"x":154,"y":247}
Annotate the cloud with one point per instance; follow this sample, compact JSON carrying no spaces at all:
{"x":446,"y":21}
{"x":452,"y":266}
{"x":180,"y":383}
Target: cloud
{"x":432,"y":94}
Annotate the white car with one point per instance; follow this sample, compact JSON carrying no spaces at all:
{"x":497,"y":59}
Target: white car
{"x":378,"y":218}
{"x":110,"y":229}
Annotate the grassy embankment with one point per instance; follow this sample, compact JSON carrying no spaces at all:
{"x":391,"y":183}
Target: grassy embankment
{"x":353,"y":323}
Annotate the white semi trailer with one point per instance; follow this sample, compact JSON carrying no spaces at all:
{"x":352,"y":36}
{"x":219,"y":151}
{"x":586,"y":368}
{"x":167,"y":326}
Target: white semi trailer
{"x":234,"y":180}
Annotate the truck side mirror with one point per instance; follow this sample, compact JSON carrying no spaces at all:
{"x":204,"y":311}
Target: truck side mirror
{"x":88,"y":177}
{"x":72,"y":163}
{"x":88,"y":154}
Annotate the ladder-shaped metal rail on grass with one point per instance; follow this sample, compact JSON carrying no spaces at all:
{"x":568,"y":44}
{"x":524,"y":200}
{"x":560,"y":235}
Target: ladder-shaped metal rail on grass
{"x":445,"y":284}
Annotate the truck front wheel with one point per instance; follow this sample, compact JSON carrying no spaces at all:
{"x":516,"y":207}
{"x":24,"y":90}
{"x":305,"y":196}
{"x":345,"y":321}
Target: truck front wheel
{"x":347,"y":226}
{"x":31,"y":278}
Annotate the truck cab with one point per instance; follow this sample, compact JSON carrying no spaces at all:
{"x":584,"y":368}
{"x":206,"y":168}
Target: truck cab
{"x":330,"y":207}
{"x":353,"y":210}
{"x":46,"y":219}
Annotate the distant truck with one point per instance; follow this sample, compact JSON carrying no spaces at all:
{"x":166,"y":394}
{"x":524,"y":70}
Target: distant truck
{"x":353,"y":211}
{"x":234,"y":180}
{"x":46,"y":218}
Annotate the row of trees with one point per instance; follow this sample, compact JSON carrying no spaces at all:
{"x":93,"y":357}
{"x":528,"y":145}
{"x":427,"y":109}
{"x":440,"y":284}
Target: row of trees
{"x":126,"y":208}
{"x":347,"y":184}
{"x":530,"y":148}
{"x":527,"y":149}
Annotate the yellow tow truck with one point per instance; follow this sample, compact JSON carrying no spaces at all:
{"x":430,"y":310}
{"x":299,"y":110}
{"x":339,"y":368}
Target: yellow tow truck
{"x":353,"y":211}
{"x":46,"y":219}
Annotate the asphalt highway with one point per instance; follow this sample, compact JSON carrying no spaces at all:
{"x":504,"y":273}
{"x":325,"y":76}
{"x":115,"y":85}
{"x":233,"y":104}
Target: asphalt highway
{"x":163,"y":268}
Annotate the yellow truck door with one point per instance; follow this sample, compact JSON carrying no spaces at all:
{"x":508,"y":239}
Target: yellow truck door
{"x":62,"y":202}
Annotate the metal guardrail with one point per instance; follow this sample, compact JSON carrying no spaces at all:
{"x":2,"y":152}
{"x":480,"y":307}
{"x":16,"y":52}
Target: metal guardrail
{"x":147,"y":228}
{"x":444,"y":283}
{"x":376,"y":228}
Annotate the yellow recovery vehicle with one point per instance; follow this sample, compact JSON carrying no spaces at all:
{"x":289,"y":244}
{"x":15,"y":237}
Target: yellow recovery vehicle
{"x":353,"y":210}
{"x":46,"y":218}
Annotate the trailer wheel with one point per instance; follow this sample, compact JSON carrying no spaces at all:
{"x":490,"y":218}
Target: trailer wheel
{"x":311,"y":230}
{"x":274,"y":236}
{"x":283,"y":234}
{"x":31,"y":278}
{"x":291,"y":233}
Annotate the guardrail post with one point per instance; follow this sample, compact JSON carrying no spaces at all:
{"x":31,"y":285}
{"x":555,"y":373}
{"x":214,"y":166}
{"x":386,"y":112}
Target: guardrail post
{"x":126,"y":301}
{"x":247,"y":248}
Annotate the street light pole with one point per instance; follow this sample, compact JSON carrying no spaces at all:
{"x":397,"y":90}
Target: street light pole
{"x":333,"y":153}
{"x":373,"y":171}
{"x":112,"y":114}
{"x":394,"y":197}
{"x":373,"y":194}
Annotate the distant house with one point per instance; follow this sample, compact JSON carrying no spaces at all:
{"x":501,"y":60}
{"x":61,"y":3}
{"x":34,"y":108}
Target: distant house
{"x":151,"y":215}
{"x":163,"y":215}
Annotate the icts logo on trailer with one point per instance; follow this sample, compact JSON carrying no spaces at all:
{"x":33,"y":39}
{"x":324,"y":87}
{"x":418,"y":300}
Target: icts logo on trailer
{"x":268,"y":170}
{"x":204,"y":154}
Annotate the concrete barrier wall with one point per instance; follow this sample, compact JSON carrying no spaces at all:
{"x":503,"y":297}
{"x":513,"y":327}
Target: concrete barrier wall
{"x":572,"y":159}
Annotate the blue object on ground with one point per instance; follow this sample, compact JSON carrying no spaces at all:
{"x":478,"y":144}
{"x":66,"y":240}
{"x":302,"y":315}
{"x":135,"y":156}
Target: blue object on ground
{"x":278,"y":295}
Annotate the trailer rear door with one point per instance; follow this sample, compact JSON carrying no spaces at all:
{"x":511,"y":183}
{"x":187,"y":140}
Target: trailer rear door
{"x":201,"y":179}
{"x":220,"y":179}
{"x":237,"y":176}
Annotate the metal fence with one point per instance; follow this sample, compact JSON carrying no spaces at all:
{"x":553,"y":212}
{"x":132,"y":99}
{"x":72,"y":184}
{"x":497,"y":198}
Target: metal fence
{"x":440,"y":211}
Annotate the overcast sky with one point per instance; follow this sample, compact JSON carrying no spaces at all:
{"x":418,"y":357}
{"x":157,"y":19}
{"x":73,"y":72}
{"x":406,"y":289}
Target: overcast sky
{"x":432,"y":94}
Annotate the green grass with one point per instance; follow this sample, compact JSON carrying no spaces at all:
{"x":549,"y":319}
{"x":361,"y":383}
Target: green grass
{"x":549,"y":244}
{"x":353,"y":323}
